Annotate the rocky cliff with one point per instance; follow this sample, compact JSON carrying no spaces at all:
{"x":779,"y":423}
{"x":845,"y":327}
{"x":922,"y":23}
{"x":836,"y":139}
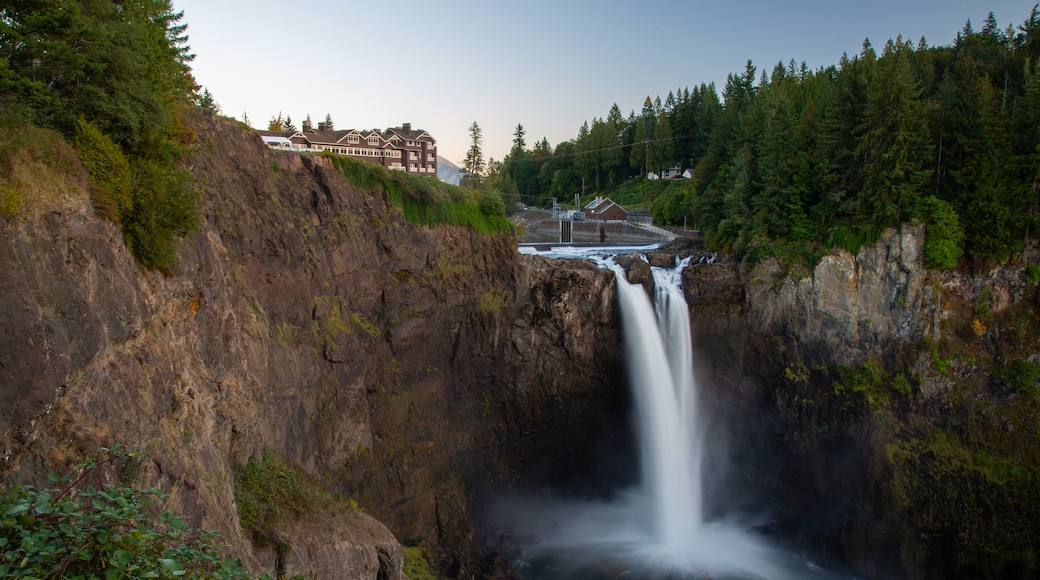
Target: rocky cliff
{"x":878,"y":410}
{"x":407,"y":368}
{"x":885,"y":415}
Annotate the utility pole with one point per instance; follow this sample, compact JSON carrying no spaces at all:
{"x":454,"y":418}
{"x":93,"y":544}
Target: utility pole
{"x":646,"y":174}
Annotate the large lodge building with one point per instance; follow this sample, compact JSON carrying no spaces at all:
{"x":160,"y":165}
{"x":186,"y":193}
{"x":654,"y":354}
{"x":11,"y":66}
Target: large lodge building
{"x":398,"y":148}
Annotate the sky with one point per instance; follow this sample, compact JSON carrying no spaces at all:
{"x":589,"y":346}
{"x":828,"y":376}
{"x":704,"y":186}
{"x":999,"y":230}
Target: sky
{"x":549,"y":65}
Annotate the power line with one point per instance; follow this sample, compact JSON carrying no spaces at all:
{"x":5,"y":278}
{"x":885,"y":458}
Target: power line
{"x":647,"y":142}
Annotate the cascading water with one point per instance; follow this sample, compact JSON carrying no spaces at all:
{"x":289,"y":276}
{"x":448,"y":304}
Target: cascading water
{"x":660,"y":363}
{"x":658,"y":530}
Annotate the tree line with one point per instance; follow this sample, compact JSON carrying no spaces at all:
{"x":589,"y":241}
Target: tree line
{"x":791,"y":157}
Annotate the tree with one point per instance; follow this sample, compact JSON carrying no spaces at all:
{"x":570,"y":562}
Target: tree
{"x":662,"y":150}
{"x":637,"y":158}
{"x":473,"y":165}
{"x":328,"y":126}
{"x":518,"y":137}
{"x":897,"y":149}
{"x":206,"y":101}
{"x":276,"y":123}
{"x":288,"y":125}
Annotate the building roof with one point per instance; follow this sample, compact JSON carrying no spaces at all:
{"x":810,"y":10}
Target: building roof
{"x":406,"y":132}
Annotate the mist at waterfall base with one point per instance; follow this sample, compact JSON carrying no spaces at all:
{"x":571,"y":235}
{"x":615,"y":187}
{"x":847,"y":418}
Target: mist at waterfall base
{"x":657,"y":530}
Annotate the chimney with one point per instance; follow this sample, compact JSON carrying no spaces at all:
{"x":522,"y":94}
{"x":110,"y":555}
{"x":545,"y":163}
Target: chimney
{"x":307,"y":125}
{"x":406,"y":128}
{"x":321,"y":125}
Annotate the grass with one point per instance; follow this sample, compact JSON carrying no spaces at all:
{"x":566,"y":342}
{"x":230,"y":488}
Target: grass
{"x":37,"y":169}
{"x":269,"y":490}
{"x":425,"y":200}
{"x":417,"y":563}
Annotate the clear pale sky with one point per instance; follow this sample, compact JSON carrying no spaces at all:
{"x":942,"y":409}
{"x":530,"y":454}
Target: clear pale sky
{"x":549,"y":65}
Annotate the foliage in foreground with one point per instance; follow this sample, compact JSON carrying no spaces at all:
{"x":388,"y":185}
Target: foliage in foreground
{"x":428,"y":201}
{"x":114,"y":532}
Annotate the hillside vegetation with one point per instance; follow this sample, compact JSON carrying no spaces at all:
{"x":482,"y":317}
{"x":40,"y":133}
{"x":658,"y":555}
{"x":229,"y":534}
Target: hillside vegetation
{"x":789,"y":160}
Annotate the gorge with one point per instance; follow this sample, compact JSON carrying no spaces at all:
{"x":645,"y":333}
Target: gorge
{"x":884,"y":416}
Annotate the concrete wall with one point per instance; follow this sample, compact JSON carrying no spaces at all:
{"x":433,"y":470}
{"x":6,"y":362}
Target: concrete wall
{"x":590,"y":232}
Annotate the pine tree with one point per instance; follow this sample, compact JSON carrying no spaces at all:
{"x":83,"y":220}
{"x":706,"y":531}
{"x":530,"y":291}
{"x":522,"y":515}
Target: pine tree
{"x":328,"y":123}
{"x":898,"y":150}
{"x":473,"y":165}
{"x":288,"y":125}
{"x":206,"y":101}
{"x":662,"y":150}
{"x":644,"y":130}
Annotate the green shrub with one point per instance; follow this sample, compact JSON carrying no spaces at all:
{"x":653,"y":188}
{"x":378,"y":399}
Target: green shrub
{"x":1023,"y":375}
{"x":269,"y":491}
{"x":110,"y":177}
{"x":943,"y":234}
{"x":165,"y":206}
{"x":417,"y":563}
{"x":1032,"y":273}
{"x":493,"y":300}
{"x":111,"y":533}
{"x":426,"y":200}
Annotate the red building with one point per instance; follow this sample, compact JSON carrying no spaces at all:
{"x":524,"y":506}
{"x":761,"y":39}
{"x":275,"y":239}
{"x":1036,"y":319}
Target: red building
{"x":605,"y":210}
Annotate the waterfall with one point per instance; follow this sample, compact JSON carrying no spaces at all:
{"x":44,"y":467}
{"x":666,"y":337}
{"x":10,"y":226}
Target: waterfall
{"x":660,"y":368}
{"x":659,"y":530}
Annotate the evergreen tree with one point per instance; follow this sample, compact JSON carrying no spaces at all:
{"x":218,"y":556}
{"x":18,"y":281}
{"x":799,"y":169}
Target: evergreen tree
{"x":473,"y":164}
{"x":897,"y":148}
{"x":328,"y":125}
{"x":639,"y":155}
{"x":206,"y":101}
{"x":288,"y":125}
{"x":662,"y":150}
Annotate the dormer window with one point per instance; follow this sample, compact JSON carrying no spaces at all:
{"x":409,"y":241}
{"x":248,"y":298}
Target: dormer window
{"x":373,"y":141}
{"x":352,"y":139}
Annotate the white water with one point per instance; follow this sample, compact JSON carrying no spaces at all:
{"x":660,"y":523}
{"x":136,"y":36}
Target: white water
{"x":660,"y":366}
{"x":657,"y":530}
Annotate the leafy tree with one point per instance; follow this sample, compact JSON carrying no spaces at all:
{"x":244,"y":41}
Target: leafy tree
{"x":276,"y":123}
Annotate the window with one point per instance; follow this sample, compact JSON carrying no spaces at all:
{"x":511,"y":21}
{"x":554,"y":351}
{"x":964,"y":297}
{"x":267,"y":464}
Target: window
{"x":352,"y":139}
{"x":373,"y":140}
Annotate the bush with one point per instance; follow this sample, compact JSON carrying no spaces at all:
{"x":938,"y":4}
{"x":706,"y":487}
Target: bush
{"x":165,"y":206}
{"x":426,"y":200}
{"x":109,"y":171}
{"x":270,"y":491}
{"x":112,"y":533}
{"x":943,"y":235}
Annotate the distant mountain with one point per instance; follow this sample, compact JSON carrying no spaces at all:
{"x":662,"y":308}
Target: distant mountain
{"x":448,"y":172}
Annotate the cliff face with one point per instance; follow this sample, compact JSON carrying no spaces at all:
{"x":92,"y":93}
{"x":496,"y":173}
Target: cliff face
{"x":405,"y":367}
{"x":880,"y":411}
